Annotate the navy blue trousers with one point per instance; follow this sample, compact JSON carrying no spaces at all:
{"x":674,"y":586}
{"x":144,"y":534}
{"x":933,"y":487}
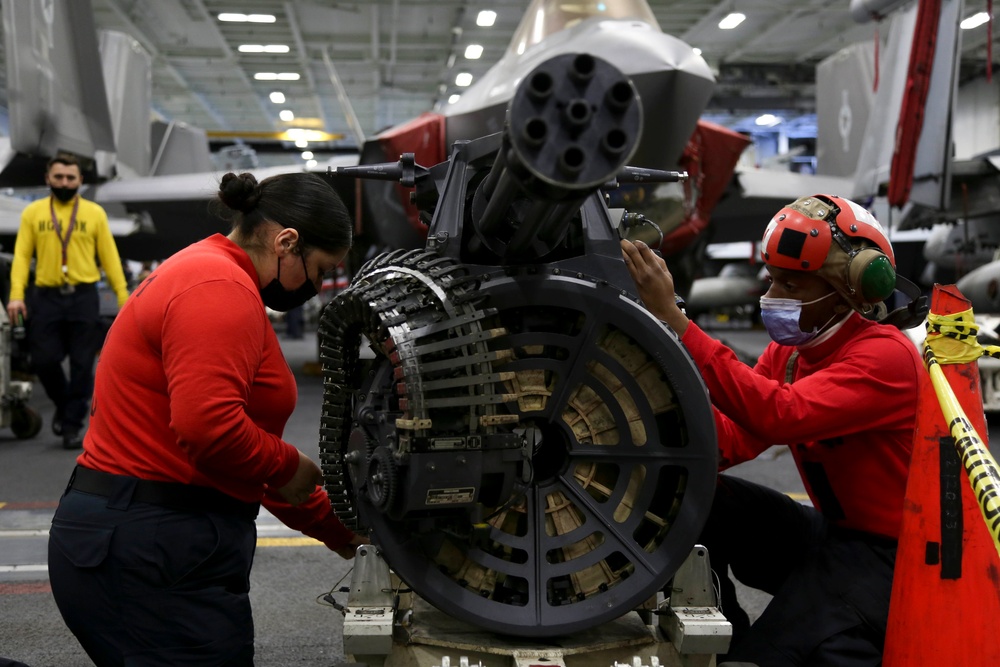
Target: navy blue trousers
{"x":60,"y":326}
{"x":831,"y":587}
{"x":140,"y":584}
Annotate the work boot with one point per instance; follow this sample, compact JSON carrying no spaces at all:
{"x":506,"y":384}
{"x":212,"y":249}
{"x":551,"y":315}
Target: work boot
{"x":57,"y":422}
{"x":72,"y":440}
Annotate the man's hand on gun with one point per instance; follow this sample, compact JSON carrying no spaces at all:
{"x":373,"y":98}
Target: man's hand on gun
{"x":654,"y":283}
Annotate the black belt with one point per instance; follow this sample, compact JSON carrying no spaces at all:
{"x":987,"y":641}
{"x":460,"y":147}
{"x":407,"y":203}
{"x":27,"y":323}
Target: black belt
{"x":81,"y":287}
{"x":172,"y":495}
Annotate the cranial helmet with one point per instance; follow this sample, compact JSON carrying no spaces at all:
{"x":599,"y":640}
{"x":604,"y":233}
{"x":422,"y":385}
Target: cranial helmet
{"x":839,"y":240}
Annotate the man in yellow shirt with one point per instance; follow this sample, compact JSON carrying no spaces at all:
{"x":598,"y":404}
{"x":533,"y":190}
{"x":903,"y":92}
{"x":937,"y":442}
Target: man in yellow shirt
{"x":64,"y":233}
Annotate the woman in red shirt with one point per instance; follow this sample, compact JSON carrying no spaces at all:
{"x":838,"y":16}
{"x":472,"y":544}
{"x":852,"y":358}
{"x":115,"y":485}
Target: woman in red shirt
{"x":151,"y":546}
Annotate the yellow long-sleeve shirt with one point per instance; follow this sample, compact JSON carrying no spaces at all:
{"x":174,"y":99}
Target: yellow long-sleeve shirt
{"x":91,"y":238}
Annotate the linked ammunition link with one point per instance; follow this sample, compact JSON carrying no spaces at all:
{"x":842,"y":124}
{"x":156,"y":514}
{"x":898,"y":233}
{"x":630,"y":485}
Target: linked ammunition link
{"x":419,"y":311}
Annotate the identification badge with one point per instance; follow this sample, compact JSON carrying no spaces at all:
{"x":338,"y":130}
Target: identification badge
{"x":66,"y":287}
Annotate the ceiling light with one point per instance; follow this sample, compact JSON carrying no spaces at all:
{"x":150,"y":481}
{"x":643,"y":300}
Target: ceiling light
{"x":244,"y":18}
{"x":974,"y":21}
{"x":486,"y":18}
{"x":697,"y":51}
{"x":307,"y":155}
{"x":286,"y":114}
{"x":732,"y":21}
{"x":297,"y":133}
{"x":473,"y":51}
{"x":276,"y":76}
{"x":311,"y":163}
{"x":454,"y":98}
{"x":463,"y":79}
{"x":767,"y":120}
{"x":278,"y":97}
{"x":301,"y":143}
{"x":263,"y":48}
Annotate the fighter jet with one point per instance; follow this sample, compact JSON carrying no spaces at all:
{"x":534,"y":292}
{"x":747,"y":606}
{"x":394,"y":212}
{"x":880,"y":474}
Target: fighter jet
{"x":674,"y":84}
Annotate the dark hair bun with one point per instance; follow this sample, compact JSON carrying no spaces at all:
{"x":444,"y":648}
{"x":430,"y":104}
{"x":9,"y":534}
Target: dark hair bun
{"x":240,"y":193}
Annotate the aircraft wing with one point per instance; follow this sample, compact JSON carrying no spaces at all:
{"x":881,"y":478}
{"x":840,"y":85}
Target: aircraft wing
{"x":755,"y":195}
{"x":10,"y":221}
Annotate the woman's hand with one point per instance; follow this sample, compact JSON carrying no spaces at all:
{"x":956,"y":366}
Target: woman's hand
{"x":303,"y":482}
{"x":348,"y":550}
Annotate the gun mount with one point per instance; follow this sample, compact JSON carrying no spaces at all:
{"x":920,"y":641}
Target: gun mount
{"x":530,"y":449}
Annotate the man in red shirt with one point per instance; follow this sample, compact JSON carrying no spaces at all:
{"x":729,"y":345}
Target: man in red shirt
{"x":841,"y":390}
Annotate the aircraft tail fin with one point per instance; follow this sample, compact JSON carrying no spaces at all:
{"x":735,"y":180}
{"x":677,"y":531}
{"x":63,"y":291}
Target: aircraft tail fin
{"x":127,"y":68}
{"x":179,"y":149}
{"x":931,"y":187}
{"x":844,"y":99}
{"x":60,"y":102}
{"x":57,"y":100}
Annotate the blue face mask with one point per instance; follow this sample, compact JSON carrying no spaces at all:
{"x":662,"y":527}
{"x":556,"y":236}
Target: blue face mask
{"x":781,"y":319}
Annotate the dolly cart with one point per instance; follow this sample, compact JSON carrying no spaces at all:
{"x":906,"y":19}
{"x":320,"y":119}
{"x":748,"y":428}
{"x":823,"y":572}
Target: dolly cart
{"x":14,"y":394}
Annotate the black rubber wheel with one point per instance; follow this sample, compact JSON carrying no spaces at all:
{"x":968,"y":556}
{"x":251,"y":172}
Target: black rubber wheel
{"x":25,"y":422}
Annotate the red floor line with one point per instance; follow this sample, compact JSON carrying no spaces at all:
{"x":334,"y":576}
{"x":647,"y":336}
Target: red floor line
{"x":25,"y":588}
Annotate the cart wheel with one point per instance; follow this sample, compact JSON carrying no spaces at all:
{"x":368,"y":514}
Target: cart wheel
{"x":25,"y":422}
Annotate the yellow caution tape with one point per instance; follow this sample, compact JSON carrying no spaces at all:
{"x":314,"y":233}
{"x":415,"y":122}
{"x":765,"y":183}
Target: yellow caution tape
{"x":952,"y":340}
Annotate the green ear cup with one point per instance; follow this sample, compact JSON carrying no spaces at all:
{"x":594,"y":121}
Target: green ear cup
{"x":877,"y":280}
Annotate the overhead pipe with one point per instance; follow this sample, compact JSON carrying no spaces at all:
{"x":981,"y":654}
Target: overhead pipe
{"x":345,"y":100}
{"x":864,"y":11}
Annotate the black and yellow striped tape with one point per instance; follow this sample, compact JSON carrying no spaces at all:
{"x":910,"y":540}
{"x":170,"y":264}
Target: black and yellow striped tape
{"x":952,"y":340}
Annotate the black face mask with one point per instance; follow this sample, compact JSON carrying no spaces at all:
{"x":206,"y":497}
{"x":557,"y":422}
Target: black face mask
{"x":276,"y":297}
{"x":63,"y":194}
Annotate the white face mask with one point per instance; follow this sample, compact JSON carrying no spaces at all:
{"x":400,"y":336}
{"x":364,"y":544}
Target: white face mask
{"x":781,"y":319}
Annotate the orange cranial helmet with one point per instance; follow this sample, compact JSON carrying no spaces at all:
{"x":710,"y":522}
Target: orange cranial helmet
{"x":840,"y":240}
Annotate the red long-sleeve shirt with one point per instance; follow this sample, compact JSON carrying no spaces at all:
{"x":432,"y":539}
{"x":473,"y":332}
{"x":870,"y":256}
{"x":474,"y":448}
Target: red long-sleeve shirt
{"x":848,"y":416}
{"x":192,"y":387}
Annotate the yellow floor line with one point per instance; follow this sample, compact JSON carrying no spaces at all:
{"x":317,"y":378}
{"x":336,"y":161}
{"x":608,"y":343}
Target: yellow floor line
{"x":798,"y":496}
{"x":287,"y":542}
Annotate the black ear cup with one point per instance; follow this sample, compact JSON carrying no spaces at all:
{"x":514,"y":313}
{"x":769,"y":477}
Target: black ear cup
{"x":870,"y":275}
